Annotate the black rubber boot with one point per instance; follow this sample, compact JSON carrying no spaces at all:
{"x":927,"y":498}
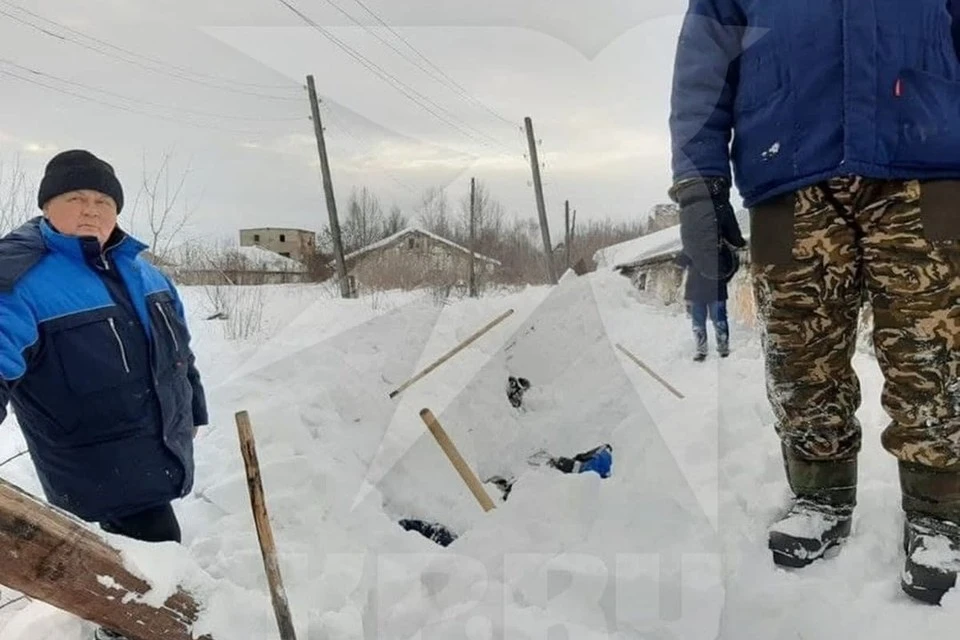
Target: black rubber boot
{"x":821,"y":514}
{"x":931,"y":531}
{"x":933,"y":557}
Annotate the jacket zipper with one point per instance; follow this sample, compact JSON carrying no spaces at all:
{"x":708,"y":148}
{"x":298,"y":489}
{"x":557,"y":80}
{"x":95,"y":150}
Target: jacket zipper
{"x":166,"y":320}
{"x":123,"y":352}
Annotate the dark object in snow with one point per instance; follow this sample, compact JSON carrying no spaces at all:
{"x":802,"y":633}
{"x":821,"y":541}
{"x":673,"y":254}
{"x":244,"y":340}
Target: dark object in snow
{"x":430,"y":530}
{"x":516,"y":387}
{"x":809,"y":529}
{"x":503,"y":484}
{"x":220,"y":315}
{"x":933,"y":557}
{"x":599,"y":460}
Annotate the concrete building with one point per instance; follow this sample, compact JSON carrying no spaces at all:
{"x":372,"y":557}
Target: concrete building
{"x":298,"y":244}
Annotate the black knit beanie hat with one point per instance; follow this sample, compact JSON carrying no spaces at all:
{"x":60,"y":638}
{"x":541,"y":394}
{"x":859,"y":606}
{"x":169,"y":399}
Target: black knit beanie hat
{"x":75,"y":170}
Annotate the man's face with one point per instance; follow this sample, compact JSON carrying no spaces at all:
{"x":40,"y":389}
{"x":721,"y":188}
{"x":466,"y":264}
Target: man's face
{"x":83,"y":213}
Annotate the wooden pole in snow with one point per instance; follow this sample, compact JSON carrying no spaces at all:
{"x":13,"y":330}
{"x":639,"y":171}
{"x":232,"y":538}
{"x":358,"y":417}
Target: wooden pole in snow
{"x":268,"y":547}
{"x":473,"y":241}
{"x":650,"y":371}
{"x":51,"y":556}
{"x":328,"y":189}
{"x":541,"y":205}
{"x":469,"y":477}
{"x":460,"y":347}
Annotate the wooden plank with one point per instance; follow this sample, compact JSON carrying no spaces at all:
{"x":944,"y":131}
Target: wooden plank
{"x":268,"y":547}
{"x":450,"y":449}
{"x":460,"y":347}
{"x":51,"y":556}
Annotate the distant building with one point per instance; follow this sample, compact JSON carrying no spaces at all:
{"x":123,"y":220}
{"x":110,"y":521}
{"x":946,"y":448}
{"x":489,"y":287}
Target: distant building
{"x":414,"y":258}
{"x":297,"y":244}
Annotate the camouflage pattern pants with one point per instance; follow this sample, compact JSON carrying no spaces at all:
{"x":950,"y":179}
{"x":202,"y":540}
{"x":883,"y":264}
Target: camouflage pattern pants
{"x":817,"y":256}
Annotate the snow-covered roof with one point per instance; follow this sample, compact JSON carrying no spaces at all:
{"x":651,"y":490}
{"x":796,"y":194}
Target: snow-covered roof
{"x":661,"y":244}
{"x":421,"y":231}
{"x":265,"y":260}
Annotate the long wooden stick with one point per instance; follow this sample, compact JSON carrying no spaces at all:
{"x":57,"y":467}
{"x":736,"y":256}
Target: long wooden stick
{"x":650,"y":371}
{"x":51,"y":556}
{"x":268,"y":547}
{"x":460,"y":347}
{"x":469,"y":477}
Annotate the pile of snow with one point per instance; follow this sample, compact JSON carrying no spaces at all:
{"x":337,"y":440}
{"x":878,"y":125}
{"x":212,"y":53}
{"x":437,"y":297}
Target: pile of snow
{"x":671,"y":546}
{"x":260,"y":259}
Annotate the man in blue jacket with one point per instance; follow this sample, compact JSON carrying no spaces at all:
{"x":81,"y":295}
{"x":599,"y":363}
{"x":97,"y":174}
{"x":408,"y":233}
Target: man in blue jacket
{"x":95,"y":358}
{"x":845,"y":126}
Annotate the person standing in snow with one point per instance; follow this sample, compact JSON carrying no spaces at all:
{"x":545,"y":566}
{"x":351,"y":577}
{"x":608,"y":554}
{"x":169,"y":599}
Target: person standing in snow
{"x":845,"y":147}
{"x":95,"y":358}
{"x":708,"y":297}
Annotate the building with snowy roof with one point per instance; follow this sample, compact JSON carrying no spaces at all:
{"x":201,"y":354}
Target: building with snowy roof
{"x":415,"y":257}
{"x":649,"y":262}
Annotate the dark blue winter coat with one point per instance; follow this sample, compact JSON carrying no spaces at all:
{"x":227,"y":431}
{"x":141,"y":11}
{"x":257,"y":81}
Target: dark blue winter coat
{"x":812,"y":89}
{"x":95,"y":358}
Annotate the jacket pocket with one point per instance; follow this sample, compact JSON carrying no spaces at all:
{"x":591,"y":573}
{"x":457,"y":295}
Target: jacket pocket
{"x":90,"y":350}
{"x":940,"y":210}
{"x":773,"y":232}
{"x":928,"y":108}
{"x":169,"y":331}
{"x":759,"y":73}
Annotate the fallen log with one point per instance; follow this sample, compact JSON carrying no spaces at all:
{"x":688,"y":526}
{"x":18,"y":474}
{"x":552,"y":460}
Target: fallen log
{"x":51,"y":556}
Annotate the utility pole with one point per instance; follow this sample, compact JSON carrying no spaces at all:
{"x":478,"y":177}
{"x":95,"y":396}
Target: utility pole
{"x":566,"y":226}
{"x":473,"y":247}
{"x":328,"y":190}
{"x":541,"y":206}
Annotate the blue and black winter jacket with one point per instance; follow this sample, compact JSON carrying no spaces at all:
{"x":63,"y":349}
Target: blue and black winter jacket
{"x":813,"y":89}
{"x":95,"y":359}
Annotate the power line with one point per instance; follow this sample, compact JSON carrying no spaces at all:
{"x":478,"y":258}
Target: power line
{"x":154,"y":69}
{"x":340,"y":126}
{"x":206,"y":114}
{"x":125,"y":108}
{"x":140,"y":55}
{"x":412,"y":94}
{"x":438,"y":74}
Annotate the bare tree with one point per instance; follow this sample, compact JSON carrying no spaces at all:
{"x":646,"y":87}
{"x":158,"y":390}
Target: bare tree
{"x":364,"y":224}
{"x":395,"y":222}
{"x":162,"y":202}
{"x":433,"y":212}
{"x":16,"y":195}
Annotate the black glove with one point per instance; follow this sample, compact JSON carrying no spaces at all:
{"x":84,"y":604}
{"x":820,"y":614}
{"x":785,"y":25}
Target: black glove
{"x":707,"y":221}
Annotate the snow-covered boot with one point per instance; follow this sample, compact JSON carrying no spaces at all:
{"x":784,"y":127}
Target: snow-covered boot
{"x":931,"y":535}
{"x":933,"y":557}
{"x":809,"y":529}
{"x":821,"y":515}
{"x":723,"y":346}
{"x":700,"y":339}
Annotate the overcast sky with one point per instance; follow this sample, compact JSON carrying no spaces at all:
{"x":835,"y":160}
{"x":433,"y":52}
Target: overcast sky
{"x":221,"y":84}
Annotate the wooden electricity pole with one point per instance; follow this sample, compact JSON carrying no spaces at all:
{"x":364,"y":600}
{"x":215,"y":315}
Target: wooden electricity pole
{"x":328,"y":189}
{"x":566,"y":237}
{"x":541,"y":206}
{"x":53,"y":557}
{"x":473,"y":244}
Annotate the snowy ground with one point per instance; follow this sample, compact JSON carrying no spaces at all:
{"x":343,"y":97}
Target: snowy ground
{"x":671,"y":546}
